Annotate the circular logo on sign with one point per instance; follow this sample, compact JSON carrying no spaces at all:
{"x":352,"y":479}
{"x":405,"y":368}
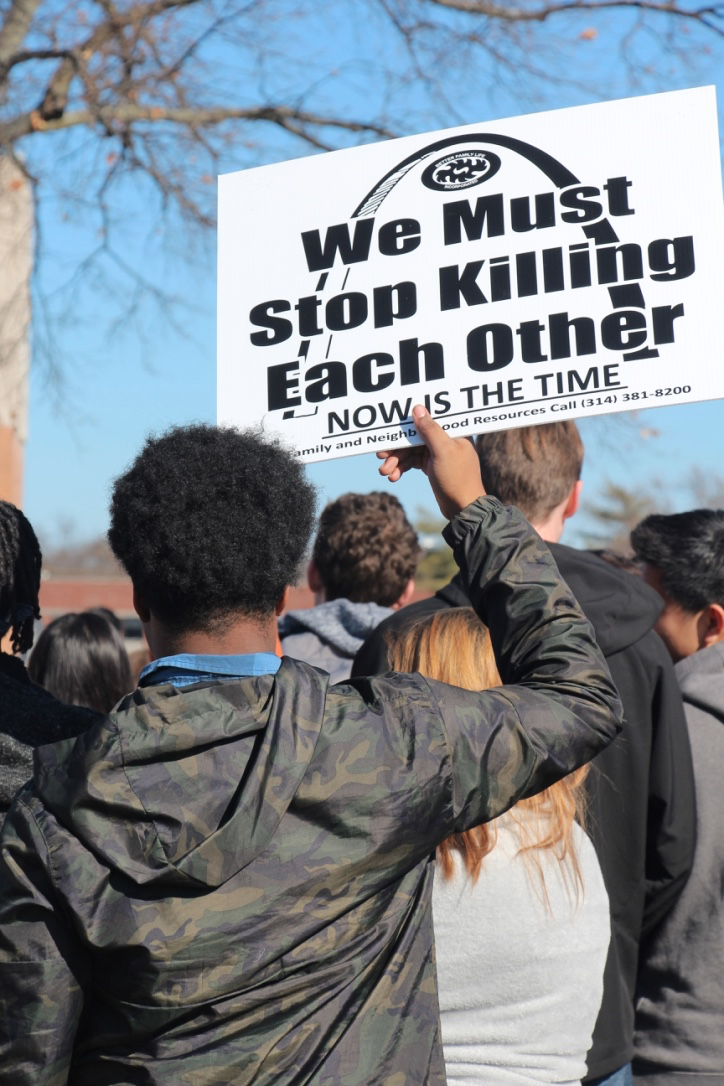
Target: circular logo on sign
{"x":461,"y":170}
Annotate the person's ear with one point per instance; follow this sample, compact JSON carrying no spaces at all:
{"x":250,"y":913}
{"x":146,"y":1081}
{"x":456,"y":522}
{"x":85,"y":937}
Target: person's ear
{"x":282,"y":602}
{"x":141,"y":607}
{"x":712,"y":625}
{"x":314,"y":580}
{"x":405,"y":596}
{"x":574,"y":498}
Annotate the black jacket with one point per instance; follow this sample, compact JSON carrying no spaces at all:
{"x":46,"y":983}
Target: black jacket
{"x":29,"y":717}
{"x":641,"y":792}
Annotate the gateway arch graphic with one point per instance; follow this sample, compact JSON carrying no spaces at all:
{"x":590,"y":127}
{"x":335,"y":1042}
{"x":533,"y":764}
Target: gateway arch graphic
{"x":601,"y":232}
{"x":467,"y":167}
{"x":458,"y":164}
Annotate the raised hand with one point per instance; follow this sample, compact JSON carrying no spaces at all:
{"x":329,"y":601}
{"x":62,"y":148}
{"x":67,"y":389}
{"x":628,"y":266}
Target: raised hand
{"x":451,"y":464}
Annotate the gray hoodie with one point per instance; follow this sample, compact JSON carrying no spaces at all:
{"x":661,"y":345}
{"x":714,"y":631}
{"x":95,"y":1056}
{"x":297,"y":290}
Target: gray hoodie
{"x":328,"y":636}
{"x":680,"y":1003}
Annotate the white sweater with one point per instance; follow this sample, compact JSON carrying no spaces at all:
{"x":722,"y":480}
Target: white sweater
{"x":520,"y":983}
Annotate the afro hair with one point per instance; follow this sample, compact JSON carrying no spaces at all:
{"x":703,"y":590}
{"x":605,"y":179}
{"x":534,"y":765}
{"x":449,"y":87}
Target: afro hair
{"x":209,"y":522}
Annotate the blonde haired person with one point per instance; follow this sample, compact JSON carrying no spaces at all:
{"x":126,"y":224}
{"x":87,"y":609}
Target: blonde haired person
{"x":520,"y":911}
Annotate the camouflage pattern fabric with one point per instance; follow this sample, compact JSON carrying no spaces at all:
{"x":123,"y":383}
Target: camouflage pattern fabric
{"x":230,"y":883}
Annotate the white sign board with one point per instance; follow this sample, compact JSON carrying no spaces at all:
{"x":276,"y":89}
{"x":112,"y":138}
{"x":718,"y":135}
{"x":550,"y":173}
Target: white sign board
{"x":551,"y":266}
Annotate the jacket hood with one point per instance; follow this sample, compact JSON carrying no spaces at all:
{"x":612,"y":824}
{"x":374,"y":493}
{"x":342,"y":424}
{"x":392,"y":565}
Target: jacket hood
{"x":187,"y":786}
{"x":340,"y":623}
{"x":619,"y":605}
{"x":701,"y":678}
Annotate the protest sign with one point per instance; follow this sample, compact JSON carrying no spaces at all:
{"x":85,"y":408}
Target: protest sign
{"x":551,"y":266}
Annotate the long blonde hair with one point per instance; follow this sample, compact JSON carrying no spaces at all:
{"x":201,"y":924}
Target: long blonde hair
{"x":454,"y":646}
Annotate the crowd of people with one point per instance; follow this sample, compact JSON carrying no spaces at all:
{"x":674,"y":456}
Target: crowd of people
{"x":471,"y":839}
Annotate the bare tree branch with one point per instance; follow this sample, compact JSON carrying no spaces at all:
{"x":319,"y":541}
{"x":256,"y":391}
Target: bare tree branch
{"x":706,"y":15}
{"x":292,"y":120}
{"x":15,"y":28}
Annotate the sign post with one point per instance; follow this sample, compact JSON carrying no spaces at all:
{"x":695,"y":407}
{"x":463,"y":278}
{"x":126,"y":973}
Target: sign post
{"x":551,"y":266}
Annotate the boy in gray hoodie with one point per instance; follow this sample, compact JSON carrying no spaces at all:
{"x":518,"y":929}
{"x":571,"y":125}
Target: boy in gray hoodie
{"x":362,"y":569}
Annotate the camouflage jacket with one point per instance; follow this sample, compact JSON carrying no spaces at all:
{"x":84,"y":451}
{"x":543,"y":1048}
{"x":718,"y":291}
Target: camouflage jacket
{"x":230,"y":883}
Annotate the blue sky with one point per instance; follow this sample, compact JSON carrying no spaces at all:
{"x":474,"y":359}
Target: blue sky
{"x":125,"y":375}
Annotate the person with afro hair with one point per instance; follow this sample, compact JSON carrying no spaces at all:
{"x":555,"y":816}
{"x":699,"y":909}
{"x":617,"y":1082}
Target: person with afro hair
{"x":29,"y":716}
{"x":228,"y":879}
{"x":208,"y":531}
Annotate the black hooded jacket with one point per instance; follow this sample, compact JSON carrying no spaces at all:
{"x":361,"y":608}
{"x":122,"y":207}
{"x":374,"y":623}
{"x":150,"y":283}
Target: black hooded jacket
{"x":642,"y":816}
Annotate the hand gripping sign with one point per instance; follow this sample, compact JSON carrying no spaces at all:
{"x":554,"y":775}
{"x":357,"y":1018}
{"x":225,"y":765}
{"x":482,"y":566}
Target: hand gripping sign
{"x":557,"y":265}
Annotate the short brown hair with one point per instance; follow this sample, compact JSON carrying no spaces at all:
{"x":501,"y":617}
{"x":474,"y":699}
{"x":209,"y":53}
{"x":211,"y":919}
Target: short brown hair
{"x":533,"y":467}
{"x":366,"y":550}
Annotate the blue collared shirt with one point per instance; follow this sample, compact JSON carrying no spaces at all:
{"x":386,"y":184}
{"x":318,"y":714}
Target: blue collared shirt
{"x":188,"y":668}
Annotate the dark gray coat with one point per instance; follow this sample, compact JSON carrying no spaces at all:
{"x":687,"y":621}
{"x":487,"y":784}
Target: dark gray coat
{"x":679,"y":1037}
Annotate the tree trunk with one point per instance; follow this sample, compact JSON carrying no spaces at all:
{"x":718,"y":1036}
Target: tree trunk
{"x":16,"y":244}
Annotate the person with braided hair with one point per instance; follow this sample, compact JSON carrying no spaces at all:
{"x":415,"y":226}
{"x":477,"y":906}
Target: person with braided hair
{"x":20,"y":564}
{"x":29,"y":715}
